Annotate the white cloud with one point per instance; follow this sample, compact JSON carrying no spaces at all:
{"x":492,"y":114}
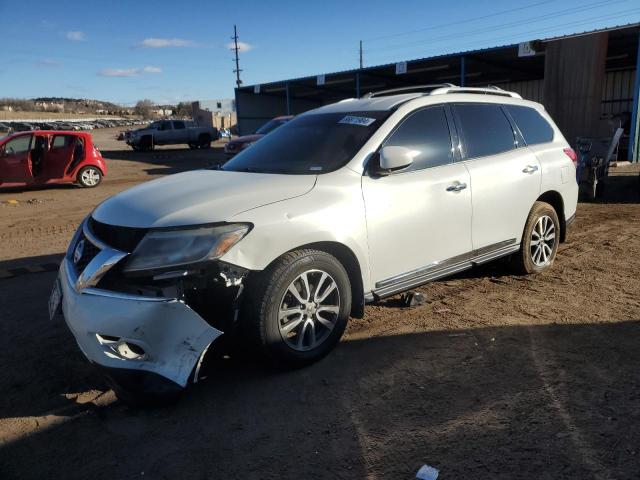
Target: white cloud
{"x":76,"y":36}
{"x":119,"y":72}
{"x":48,"y":63}
{"x":128,"y":72}
{"x":242,"y":46}
{"x":165,"y":42}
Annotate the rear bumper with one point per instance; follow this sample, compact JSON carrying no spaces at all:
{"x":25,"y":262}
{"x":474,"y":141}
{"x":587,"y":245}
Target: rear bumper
{"x":130,"y":335}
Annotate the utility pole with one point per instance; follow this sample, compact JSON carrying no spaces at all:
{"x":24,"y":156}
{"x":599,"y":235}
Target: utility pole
{"x":360,"y":54}
{"x":237,"y":60}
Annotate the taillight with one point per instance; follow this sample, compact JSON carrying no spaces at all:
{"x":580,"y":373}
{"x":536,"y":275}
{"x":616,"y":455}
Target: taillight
{"x":572,"y":155}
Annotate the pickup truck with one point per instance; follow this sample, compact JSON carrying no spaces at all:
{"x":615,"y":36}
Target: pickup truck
{"x":171,"y":132}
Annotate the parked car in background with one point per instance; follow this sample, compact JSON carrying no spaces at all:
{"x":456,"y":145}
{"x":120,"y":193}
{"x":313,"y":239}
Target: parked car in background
{"x":238,"y":144}
{"x":344,"y":205}
{"x":44,"y":156}
{"x":171,"y":132}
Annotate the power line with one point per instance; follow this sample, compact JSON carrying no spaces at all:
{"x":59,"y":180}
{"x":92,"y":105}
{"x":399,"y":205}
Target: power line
{"x":503,"y":26}
{"x":519,"y":35}
{"x":459,"y":22}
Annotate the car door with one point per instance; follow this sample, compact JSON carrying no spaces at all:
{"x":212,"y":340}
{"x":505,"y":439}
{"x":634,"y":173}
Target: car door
{"x":15,"y":161}
{"x":164,"y":133}
{"x":418,"y":219}
{"x":179,"y":132}
{"x":505,"y":175}
{"x":59,"y":156}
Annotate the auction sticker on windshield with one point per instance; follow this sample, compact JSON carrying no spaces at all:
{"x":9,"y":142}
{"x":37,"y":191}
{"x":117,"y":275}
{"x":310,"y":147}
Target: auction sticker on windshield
{"x":353,"y":120}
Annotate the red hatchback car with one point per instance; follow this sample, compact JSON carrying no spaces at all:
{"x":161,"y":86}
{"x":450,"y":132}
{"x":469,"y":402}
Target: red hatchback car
{"x":48,"y":156}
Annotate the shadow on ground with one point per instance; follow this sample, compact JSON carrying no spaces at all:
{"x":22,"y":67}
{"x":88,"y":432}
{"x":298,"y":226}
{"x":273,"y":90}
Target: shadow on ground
{"x":167,"y":161}
{"x":503,"y":402}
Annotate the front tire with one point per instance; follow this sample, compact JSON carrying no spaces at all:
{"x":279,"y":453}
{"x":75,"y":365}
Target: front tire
{"x":297,"y":309}
{"x":89,"y":177}
{"x":146,"y":144}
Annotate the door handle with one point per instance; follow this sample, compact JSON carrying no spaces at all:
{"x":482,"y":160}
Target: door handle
{"x":530,"y":169}
{"x":456,"y":187}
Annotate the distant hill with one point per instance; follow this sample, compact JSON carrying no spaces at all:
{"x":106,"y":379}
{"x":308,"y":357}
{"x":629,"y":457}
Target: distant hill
{"x":63,"y":105}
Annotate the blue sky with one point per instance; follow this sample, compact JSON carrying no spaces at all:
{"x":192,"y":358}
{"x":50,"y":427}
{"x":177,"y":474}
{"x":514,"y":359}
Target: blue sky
{"x":172,"y":51}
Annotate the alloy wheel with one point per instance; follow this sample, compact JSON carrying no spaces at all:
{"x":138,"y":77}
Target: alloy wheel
{"x":309,"y":310}
{"x":90,"y":177}
{"x":543,"y":240}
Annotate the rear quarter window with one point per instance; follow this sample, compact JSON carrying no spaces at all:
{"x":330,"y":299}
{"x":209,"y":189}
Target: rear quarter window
{"x":534,"y":128}
{"x":62,"y":141}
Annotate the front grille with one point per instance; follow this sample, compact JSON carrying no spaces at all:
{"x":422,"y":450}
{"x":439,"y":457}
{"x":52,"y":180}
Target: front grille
{"x":125,"y":239}
{"x":89,"y":251}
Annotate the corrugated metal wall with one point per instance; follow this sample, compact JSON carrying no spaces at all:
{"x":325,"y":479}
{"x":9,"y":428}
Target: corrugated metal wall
{"x":617,"y":92}
{"x":529,"y":89}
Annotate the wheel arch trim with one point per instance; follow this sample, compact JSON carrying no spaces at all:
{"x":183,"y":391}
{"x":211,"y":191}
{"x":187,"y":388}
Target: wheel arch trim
{"x":554,"y":198}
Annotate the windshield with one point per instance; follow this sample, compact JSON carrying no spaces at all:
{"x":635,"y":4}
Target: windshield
{"x":270,"y":126}
{"x":314,"y":143}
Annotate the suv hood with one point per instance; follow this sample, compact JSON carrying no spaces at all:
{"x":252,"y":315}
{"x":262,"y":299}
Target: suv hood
{"x":198,"y":197}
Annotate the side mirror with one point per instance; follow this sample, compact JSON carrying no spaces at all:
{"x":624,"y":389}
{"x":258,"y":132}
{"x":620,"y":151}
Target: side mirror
{"x":393,"y":159}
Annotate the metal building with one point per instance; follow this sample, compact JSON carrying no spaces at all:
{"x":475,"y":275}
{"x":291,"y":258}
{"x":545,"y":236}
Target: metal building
{"x":587,"y":81}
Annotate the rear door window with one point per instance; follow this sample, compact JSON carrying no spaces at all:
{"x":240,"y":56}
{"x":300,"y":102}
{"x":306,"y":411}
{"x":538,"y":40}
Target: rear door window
{"x":534,"y":128}
{"x":485,"y":129}
{"x":179,"y":125}
{"x":62,"y":141}
{"x":427,"y":132}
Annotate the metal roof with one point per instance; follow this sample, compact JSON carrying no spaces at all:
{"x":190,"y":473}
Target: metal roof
{"x":447,"y":55}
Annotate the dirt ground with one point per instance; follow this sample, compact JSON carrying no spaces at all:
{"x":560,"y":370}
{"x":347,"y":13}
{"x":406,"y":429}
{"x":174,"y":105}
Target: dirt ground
{"x":496,"y":376}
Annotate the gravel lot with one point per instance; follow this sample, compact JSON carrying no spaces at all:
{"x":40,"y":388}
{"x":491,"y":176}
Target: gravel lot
{"x":496,"y":376}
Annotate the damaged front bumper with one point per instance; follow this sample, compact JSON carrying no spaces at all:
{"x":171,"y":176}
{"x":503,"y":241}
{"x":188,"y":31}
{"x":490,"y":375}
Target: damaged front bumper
{"x":135,"y":333}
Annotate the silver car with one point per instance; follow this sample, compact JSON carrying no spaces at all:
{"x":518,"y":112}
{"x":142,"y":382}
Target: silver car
{"x":342,"y":206}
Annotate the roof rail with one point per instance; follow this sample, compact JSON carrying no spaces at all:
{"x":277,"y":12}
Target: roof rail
{"x":415,"y":88}
{"x":490,"y":90}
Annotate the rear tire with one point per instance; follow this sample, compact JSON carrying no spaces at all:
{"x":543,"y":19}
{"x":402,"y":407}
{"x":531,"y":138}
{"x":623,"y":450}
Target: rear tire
{"x":204,"y":141}
{"x":296,"y":310}
{"x":592,"y":189}
{"x":89,"y":177}
{"x":540,"y":240}
{"x":600,"y":188}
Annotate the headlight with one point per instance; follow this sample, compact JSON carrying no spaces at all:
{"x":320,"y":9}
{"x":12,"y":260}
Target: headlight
{"x":173,"y":248}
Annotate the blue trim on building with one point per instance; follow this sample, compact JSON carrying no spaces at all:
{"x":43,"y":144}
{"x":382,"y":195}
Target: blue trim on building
{"x":288,"y":99}
{"x":632,"y":153}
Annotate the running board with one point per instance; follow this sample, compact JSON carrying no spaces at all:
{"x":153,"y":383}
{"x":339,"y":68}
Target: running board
{"x":414,"y":278}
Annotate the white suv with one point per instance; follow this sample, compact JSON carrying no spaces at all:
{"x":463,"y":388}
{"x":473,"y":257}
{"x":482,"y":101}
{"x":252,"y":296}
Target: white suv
{"x":342,"y":206}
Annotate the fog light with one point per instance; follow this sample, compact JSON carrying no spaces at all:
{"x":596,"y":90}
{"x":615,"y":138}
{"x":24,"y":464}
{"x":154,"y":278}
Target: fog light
{"x":130,"y":351}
